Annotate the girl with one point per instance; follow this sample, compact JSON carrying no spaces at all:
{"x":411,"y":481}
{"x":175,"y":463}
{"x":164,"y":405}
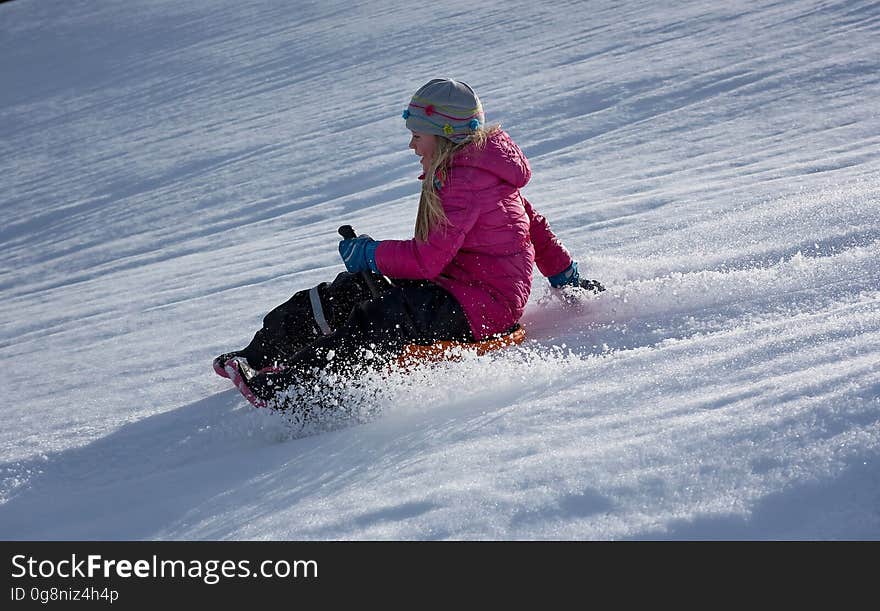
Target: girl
{"x":465,"y":276}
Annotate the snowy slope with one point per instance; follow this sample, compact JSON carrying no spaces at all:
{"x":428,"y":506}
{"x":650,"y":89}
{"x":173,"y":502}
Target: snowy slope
{"x":171,"y":171}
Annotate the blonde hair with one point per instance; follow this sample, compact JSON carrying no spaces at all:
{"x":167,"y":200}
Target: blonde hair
{"x":431,"y":214}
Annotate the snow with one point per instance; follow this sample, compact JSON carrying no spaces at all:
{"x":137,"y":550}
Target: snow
{"x":172,"y":171}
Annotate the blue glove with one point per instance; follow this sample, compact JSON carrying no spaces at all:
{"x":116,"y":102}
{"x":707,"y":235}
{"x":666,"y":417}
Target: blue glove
{"x":570,"y":277}
{"x":359,"y":254}
{"x":567,"y":276}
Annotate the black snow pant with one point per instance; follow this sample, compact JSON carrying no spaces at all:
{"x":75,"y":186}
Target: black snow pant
{"x":342,"y":327}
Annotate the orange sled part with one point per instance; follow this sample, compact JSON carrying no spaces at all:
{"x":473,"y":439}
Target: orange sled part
{"x":443,"y":350}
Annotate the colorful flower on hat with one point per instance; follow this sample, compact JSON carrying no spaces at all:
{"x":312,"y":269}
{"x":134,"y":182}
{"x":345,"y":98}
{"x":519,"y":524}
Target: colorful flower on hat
{"x":447,"y":129}
{"x":429,"y":110}
{"x":406,"y":113}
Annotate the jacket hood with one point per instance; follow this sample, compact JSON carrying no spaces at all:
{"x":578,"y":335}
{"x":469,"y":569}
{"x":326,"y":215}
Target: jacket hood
{"x":500,"y":157}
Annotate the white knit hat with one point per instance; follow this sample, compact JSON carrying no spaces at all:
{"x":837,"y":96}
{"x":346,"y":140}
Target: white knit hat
{"x":445,"y":107}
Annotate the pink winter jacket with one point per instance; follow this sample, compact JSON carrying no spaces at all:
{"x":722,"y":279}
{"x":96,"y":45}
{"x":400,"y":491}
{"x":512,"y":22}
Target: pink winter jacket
{"x":484,"y":255}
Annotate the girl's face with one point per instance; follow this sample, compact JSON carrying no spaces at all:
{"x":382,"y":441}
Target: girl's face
{"x":425,"y":145}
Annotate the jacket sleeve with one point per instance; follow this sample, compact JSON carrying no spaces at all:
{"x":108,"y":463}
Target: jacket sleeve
{"x":425,"y":260}
{"x":551,"y":256}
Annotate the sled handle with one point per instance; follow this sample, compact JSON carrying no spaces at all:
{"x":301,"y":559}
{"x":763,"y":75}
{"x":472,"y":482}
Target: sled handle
{"x":347,"y":232}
